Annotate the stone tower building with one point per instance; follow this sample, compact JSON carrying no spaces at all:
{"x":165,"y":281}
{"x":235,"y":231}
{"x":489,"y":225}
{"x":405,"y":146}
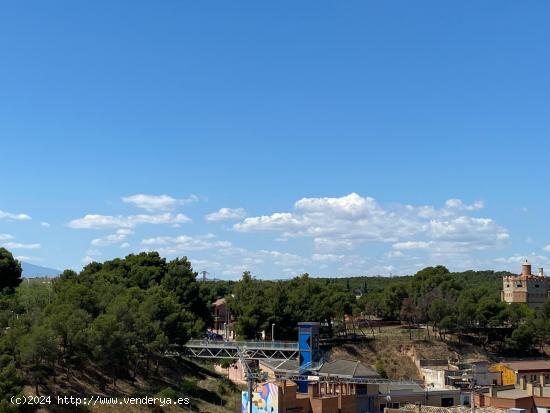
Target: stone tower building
{"x":527,"y":288}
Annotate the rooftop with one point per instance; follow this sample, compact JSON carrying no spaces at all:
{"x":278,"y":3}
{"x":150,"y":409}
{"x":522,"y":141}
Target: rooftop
{"x":522,"y":365}
{"x":346,"y":368}
{"x":518,"y":393}
{"x":218,"y":302}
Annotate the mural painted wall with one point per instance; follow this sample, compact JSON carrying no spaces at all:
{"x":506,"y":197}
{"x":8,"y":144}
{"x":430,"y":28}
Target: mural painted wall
{"x":264,"y":400}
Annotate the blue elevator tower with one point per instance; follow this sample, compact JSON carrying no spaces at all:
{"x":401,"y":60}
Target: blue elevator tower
{"x":308,"y":346}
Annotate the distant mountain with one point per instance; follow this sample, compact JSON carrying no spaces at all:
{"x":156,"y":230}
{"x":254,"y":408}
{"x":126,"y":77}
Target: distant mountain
{"x":31,"y":270}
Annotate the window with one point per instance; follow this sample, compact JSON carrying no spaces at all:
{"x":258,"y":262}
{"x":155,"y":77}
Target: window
{"x":533,"y":377}
{"x":447,"y":402}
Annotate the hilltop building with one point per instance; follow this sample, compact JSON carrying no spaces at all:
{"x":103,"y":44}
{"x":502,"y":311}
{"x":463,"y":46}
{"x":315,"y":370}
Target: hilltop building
{"x":526,"y":288}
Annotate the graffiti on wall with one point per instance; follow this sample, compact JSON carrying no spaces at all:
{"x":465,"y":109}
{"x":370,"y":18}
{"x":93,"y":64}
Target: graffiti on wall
{"x":264,"y":400}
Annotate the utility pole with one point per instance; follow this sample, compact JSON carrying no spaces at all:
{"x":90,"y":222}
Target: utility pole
{"x":472,"y":392}
{"x":273,"y":332}
{"x":250,"y":385}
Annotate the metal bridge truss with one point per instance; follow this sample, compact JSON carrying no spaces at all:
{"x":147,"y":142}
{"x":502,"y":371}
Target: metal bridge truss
{"x":248,"y":350}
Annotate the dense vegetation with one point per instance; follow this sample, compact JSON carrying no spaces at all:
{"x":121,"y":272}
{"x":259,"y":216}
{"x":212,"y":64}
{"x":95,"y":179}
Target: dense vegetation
{"x":257,"y":304}
{"x":467,"y":304}
{"x":120,"y":315}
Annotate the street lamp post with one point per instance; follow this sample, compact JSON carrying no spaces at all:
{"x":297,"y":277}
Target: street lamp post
{"x":273,"y":332}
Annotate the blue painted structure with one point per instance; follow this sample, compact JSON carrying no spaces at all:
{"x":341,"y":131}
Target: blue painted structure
{"x":308,"y":347}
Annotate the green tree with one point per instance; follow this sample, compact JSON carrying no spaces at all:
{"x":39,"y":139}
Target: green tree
{"x":39,"y":353}
{"x":110,"y":345}
{"x":10,"y":270}
{"x":408,"y":313}
{"x":248,"y":306}
{"x":11,"y":384}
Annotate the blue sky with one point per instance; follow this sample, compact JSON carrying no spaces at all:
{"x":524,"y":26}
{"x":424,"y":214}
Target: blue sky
{"x":340,"y":137}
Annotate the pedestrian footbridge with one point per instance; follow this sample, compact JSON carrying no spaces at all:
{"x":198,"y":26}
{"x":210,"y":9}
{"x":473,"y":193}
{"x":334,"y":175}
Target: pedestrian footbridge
{"x":249,"y":350}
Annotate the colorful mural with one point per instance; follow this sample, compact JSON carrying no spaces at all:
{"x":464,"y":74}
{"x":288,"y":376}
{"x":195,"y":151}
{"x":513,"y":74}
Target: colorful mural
{"x":264,"y":400}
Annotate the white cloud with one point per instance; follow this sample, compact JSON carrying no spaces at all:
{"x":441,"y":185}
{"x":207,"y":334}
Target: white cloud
{"x":411,"y":245}
{"x":327,"y":257}
{"x":111,"y":239}
{"x":125,"y":245}
{"x":459,"y":205}
{"x":18,"y":245}
{"x":93,"y":221}
{"x":345,"y":222}
{"x":183,"y":243}
{"x":224,"y":214}
{"x":87,"y":259}
{"x":547,"y":248}
{"x":4,"y":237}
{"x":153,"y":203}
{"x":14,"y":217}
{"x":45,"y":224}
{"x":517,"y":259}
{"x":394,"y":254}
{"x":28,"y":258}
{"x":277,"y":221}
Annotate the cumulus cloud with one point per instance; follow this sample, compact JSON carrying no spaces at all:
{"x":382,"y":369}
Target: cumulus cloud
{"x":345,"y":222}
{"x":93,"y":221}
{"x":547,"y":248}
{"x":327,"y":257}
{"x":153,"y":203}
{"x":23,"y":258}
{"x":224,"y":214}
{"x":283,"y":263}
{"x":457,"y":204}
{"x":111,"y":239}
{"x":14,"y":217}
{"x":45,"y":224}
{"x":183,"y":243}
{"x":411,"y":245}
{"x":517,"y":259}
{"x":87,"y":259}
{"x":19,"y":245}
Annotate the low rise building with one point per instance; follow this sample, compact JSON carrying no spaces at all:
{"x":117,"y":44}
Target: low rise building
{"x":335,"y":388}
{"x":533,"y":397}
{"x":531,"y":370}
{"x":473,"y":373}
{"x":444,"y":374}
{"x":222,"y":317}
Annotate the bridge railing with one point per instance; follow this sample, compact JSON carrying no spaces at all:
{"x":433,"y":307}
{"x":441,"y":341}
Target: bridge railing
{"x":273,"y":345}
